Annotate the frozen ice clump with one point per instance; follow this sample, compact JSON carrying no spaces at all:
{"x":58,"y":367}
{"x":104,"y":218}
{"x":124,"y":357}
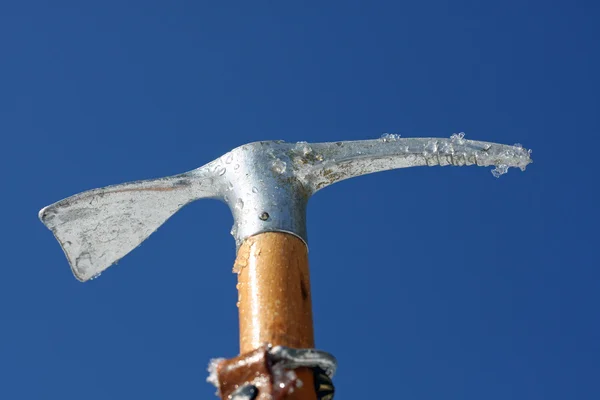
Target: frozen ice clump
{"x":278,"y":166}
{"x":303,"y":148}
{"x":458,"y":137}
{"x":390,"y":137}
{"x":212,"y":371}
{"x":513,"y":156}
{"x":285,"y":379}
{"x":500,"y":170}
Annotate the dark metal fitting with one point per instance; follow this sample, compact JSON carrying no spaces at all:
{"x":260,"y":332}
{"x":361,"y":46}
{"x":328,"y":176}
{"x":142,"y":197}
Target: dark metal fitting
{"x":246,"y":392}
{"x":291,"y":358}
{"x":268,"y":373}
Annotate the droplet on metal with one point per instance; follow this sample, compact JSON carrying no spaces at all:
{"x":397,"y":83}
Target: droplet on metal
{"x":220,"y":170}
{"x":278,"y":166}
{"x":239,"y":204}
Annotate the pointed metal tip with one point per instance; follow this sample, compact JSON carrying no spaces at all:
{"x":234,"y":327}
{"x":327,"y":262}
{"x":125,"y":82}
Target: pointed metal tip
{"x":42,"y":214}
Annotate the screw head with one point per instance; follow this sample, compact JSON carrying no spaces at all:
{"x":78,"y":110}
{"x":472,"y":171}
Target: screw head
{"x":264,"y":216}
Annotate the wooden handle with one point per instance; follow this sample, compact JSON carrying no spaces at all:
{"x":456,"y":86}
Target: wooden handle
{"x":274,"y":298}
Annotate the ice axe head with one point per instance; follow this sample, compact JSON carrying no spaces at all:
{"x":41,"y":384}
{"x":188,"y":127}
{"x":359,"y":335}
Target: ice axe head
{"x":266,"y":185}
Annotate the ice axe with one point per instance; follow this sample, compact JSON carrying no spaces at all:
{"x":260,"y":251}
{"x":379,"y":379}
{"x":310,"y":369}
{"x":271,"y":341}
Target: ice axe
{"x":267,"y":186}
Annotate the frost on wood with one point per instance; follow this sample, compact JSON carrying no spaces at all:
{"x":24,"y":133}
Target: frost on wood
{"x":212,"y":371}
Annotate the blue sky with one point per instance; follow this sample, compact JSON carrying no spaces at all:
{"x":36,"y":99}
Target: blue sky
{"x":427,"y":283}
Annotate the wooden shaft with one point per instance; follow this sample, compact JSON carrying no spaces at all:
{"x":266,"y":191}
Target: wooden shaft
{"x":274,"y":298}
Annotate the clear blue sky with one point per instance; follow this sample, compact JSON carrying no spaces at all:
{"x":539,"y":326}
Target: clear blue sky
{"x":428,"y":283}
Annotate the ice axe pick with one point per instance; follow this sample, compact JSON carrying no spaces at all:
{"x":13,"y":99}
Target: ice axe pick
{"x":267,"y":186}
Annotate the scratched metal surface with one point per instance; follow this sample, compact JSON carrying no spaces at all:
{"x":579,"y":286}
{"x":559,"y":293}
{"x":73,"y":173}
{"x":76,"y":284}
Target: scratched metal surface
{"x":266,"y":185}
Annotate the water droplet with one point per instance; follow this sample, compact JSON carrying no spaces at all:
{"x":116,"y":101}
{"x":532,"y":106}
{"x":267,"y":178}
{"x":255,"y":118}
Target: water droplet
{"x":235,"y":168}
{"x":500,"y":169}
{"x":239,"y":204}
{"x":278,"y":166}
{"x":220,"y":170}
{"x":303,"y":148}
{"x":230,"y":186}
{"x":254,"y":189}
{"x":229,"y":158}
{"x":390,"y":137}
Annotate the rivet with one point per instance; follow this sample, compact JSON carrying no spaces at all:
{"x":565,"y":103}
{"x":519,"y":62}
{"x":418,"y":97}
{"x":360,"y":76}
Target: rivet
{"x":264,"y":216}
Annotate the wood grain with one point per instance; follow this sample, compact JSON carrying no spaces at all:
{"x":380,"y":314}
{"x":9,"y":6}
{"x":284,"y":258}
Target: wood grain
{"x":274,"y":298}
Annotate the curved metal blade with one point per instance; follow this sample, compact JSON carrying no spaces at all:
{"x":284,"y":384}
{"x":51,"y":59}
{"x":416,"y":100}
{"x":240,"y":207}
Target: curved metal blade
{"x":266,"y":185}
{"x":343,"y":160}
{"x":98,"y":227}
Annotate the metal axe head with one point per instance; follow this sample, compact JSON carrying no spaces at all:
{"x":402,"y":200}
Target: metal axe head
{"x":266,"y":185}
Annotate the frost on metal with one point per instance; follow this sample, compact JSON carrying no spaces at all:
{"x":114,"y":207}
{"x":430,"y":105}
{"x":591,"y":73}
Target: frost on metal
{"x":351,"y":159}
{"x":266,"y":185}
{"x":97,"y":228}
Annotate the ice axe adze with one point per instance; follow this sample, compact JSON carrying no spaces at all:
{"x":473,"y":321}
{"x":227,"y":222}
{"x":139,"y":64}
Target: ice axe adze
{"x":267,"y":186}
